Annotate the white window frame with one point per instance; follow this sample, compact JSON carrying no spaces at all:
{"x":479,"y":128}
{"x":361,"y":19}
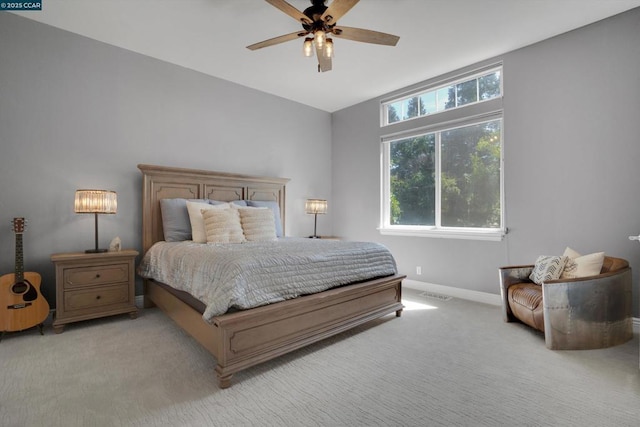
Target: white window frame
{"x":437,"y":86}
{"x":437,"y":126}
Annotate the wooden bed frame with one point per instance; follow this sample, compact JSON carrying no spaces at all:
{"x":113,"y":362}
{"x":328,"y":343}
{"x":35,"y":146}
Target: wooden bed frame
{"x":245,"y":338}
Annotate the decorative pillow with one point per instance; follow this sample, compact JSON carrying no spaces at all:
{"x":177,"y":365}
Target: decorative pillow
{"x":195,"y":209}
{"x":222,"y":226}
{"x":276,"y":212}
{"x":258,"y":224}
{"x":582,"y":265}
{"x":547,"y":268}
{"x":175,"y":219}
{"x":568,"y":252}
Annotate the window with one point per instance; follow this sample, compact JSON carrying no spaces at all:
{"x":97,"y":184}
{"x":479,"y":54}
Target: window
{"x":445,"y":179}
{"x":468,"y":90}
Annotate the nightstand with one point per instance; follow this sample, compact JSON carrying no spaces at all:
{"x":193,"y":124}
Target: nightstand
{"x":93,"y":285}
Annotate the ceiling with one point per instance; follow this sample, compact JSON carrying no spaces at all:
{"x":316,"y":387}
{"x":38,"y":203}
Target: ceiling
{"x":436,"y":36}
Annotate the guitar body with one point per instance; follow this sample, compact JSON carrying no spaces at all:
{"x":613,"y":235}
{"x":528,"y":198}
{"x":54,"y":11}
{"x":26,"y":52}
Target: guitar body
{"x":23,"y":306}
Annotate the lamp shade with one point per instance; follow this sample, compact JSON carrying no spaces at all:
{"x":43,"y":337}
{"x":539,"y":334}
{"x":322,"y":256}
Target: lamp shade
{"x":315,"y":206}
{"x":96,"y":201}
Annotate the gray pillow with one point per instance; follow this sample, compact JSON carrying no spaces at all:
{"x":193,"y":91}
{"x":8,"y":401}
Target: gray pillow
{"x":175,"y":219}
{"x":276,"y":212}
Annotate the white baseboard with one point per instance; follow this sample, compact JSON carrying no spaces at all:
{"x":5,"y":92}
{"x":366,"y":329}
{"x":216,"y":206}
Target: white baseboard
{"x":467,"y":294}
{"x":477,"y":296}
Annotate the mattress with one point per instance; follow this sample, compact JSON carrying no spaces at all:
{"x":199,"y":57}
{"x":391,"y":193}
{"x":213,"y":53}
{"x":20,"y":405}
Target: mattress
{"x":251,"y":274}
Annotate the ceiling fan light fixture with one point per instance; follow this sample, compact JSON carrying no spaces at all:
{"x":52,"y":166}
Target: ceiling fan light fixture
{"x":320,"y":38}
{"x":307,"y":47}
{"x":328,"y":48}
{"x":318,"y":24}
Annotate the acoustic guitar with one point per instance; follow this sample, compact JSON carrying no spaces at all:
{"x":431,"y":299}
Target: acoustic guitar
{"x":22,"y":306}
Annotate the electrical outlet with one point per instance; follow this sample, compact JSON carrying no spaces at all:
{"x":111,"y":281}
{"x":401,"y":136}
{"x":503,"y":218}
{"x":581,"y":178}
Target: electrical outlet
{"x":418,"y":270}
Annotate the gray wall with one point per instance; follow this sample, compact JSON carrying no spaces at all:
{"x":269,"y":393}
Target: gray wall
{"x":76,"y":113}
{"x":572,"y":161}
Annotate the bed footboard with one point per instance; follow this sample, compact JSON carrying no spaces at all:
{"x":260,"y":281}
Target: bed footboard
{"x":246,"y":338}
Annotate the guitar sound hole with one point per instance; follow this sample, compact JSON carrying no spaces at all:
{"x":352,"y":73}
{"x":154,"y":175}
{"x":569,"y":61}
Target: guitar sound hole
{"x":19,"y":288}
{"x":31,"y":294}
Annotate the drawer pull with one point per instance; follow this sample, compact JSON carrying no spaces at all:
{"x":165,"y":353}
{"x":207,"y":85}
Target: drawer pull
{"x":98,"y":276}
{"x":98,"y":297}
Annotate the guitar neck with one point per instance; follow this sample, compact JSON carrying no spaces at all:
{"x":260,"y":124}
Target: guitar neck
{"x":19,"y":270}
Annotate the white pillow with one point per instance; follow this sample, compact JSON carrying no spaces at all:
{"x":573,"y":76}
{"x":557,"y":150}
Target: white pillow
{"x":195,"y":209}
{"x":222,"y":226}
{"x":258,"y":224}
{"x":568,"y":252}
{"x":582,"y":265}
{"x":547,"y":268}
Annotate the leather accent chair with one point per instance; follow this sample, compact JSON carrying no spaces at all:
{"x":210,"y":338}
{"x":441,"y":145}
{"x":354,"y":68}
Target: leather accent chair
{"x":574,"y":314}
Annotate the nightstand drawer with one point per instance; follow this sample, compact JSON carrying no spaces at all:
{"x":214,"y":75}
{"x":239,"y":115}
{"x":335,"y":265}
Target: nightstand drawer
{"x":100,"y":275}
{"x":96,"y":297}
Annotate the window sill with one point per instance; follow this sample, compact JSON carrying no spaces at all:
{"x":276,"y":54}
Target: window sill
{"x":490,"y":235}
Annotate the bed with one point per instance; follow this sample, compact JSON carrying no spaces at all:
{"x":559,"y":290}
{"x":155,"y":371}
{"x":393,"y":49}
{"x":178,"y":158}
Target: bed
{"x":240,"y":339}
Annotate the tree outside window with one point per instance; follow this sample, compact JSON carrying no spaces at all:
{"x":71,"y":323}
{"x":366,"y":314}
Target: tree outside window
{"x":465,"y":177}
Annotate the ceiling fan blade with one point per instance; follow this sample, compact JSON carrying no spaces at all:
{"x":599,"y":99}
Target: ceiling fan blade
{"x":366,"y":36}
{"x":337,"y":9}
{"x":324,"y":63}
{"x":277,"y":40}
{"x":290,"y":10}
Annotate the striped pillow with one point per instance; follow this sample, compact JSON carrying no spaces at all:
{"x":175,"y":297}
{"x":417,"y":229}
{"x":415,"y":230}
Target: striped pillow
{"x":195,"y":209}
{"x":222,"y":226}
{"x":258,"y":224}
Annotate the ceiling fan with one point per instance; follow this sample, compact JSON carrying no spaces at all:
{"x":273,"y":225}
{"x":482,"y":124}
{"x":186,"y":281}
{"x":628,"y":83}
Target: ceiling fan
{"x":320,"y":22}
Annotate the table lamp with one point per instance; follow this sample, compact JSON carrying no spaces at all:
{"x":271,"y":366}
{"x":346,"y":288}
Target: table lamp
{"x":96,"y":202}
{"x":315,"y":207}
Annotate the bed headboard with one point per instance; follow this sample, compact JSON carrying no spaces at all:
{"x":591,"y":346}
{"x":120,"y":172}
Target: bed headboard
{"x":161,"y":182}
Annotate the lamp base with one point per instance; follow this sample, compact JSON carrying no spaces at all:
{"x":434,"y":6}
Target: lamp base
{"x":314,"y":237}
{"x":95,"y":251}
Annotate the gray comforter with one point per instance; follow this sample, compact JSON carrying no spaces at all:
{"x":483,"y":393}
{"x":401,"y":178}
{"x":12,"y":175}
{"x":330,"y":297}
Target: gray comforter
{"x":251,"y":274}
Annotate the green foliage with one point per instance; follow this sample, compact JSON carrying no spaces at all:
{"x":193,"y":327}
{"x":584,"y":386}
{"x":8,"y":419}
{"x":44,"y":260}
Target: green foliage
{"x":414,"y":109}
{"x":469,"y":180}
{"x":392,"y":115}
{"x":471,"y":159}
{"x":413,"y":181}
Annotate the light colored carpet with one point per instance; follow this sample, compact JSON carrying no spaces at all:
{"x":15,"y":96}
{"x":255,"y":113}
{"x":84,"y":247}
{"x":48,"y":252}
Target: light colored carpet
{"x":443,"y":363}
